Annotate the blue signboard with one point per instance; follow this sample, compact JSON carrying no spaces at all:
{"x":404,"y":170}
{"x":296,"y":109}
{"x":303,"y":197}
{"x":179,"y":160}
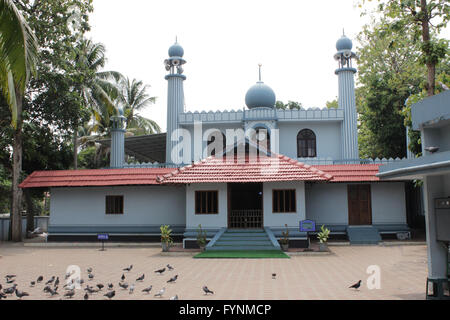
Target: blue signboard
{"x":103,"y":236}
{"x":307,"y":226}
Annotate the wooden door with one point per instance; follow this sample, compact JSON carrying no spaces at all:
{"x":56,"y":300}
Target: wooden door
{"x":359,"y":205}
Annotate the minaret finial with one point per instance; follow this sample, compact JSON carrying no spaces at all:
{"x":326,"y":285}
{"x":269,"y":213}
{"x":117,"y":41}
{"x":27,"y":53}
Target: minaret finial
{"x":259,"y":65}
{"x":343,"y":31}
{"x":176,"y":39}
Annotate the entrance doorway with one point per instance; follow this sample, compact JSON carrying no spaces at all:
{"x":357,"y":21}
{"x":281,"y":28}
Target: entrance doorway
{"x":359,"y":204}
{"x":245,"y":205}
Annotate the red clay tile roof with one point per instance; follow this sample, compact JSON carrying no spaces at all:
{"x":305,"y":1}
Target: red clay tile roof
{"x":276,"y":168}
{"x":263,"y":169}
{"x":351,"y":172}
{"x":96,"y":177}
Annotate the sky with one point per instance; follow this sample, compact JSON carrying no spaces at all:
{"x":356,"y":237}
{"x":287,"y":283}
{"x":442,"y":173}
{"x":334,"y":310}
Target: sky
{"x":224,"y":41}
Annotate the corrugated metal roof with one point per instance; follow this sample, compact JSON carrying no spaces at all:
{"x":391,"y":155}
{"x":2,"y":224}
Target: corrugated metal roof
{"x":261,"y":169}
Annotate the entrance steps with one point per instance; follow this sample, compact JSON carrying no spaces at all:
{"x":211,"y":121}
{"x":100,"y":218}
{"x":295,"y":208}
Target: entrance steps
{"x":363,"y":235}
{"x":244,"y":239}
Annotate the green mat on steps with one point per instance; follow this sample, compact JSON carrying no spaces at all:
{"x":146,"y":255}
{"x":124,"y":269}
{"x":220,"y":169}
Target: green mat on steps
{"x":244,"y":254}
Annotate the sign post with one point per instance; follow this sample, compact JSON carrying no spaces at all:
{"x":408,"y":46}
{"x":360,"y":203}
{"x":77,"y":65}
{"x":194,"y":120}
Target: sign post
{"x":103,"y":237}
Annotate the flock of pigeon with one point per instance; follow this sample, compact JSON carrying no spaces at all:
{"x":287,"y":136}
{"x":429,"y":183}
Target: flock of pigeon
{"x":52,"y":285}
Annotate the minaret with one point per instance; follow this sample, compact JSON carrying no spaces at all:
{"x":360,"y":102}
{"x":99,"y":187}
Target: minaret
{"x":346,"y":98}
{"x":175,"y":100}
{"x":117,"y":157}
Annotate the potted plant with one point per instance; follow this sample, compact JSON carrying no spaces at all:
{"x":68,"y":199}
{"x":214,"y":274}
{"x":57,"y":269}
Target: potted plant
{"x":201,"y":237}
{"x":166,"y":237}
{"x":285,"y":240}
{"x":323,"y":238}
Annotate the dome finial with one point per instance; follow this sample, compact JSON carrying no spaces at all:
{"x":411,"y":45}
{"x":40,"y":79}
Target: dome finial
{"x":259,"y":65}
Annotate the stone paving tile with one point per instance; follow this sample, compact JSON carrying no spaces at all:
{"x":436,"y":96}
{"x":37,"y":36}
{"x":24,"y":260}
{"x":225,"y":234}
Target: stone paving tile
{"x":403,"y":273}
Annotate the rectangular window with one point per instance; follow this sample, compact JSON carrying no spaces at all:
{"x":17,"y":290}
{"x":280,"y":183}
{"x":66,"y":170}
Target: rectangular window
{"x":206,"y":202}
{"x":283,"y":201}
{"x":114,"y":205}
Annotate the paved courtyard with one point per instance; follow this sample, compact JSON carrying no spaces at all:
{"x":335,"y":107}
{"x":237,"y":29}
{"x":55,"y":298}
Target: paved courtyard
{"x":403,"y":273}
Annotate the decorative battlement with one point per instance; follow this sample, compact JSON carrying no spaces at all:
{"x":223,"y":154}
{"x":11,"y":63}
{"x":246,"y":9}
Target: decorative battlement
{"x":309,"y":161}
{"x":231,"y":116}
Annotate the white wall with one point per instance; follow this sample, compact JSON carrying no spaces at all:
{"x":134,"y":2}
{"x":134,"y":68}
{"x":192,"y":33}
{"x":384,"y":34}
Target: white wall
{"x":145,"y":205}
{"x":213,"y":221}
{"x":328,"y":138}
{"x":274,"y":220}
{"x":388,"y":203}
{"x":327,"y":203}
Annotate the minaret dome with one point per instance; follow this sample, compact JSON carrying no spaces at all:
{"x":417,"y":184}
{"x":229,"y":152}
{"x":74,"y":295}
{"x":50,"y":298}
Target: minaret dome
{"x":260,"y":95}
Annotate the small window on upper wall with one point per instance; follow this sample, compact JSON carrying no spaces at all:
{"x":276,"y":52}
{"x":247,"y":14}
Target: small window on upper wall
{"x":306,"y":144}
{"x":114,"y":205}
{"x":284,"y":201}
{"x":206,"y":202}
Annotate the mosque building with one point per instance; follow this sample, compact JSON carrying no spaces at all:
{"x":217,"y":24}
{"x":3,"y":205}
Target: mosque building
{"x":257,"y":170}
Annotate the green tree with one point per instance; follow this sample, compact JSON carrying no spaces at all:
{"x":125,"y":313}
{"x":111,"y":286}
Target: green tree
{"x":389,"y":72}
{"x":424,"y":18}
{"x":291,"y":105}
{"x":134,"y":98}
{"x":18,"y":56}
{"x":96,"y":88}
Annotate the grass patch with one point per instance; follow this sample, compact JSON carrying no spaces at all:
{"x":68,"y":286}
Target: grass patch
{"x":244,"y":254}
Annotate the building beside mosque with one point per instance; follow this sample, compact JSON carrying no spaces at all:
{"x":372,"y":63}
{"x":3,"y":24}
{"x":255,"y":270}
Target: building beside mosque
{"x":253,"y":169}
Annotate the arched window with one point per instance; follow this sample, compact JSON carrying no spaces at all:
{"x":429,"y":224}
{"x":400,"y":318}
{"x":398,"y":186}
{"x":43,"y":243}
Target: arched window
{"x":211,"y":150}
{"x":306,"y":144}
{"x":262,"y":138}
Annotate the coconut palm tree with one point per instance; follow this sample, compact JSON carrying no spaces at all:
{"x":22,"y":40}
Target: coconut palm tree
{"x":97,"y":89}
{"x":133,"y":99}
{"x":18,"y":57}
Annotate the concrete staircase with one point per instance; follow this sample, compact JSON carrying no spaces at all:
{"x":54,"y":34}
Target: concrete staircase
{"x":363,"y":235}
{"x":248,"y":239}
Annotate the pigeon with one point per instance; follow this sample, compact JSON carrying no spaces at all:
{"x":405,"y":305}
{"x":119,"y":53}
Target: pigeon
{"x":160,"y":271}
{"x":160,"y":293}
{"x":122,"y":277}
{"x":3,"y":296}
{"x":91,"y":290}
{"x":67,"y":276}
{"x":206,"y":290}
{"x":47,"y":289}
{"x":10,"y":290}
{"x":86,"y":296}
{"x":100,"y":286}
{"x":141,"y":278}
{"x":110,"y":286}
{"x":70,"y":287}
{"x":110,"y":294}
{"x":51,"y":280}
{"x":90,"y":276}
{"x":147,"y":290}
{"x":10,"y":280}
{"x":123,"y":285}
{"x":21,"y":294}
{"x":56,"y":281}
{"x":32,"y":283}
{"x":174,"y":297}
{"x":169,"y":267}
{"x":1,"y":286}
{"x":131,"y":289}
{"x":356,"y":285}
{"x":128,"y":269}
{"x":40,"y":279}
{"x":89,"y":270}
{"x":80,"y":282}
{"x":274,"y":275}
{"x":69,"y":294}
{"x":173,"y":279}
{"x":53,"y":292}
{"x":9,"y":276}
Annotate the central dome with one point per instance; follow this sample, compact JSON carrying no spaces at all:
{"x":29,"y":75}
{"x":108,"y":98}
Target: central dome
{"x":260,"y":95}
